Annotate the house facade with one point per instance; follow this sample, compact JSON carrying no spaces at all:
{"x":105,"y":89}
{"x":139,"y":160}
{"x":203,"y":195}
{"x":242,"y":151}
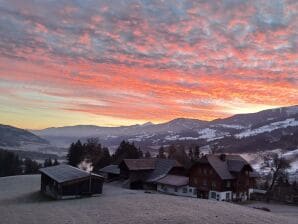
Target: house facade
{"x":176,"y":185}
{"x":222,"y":177}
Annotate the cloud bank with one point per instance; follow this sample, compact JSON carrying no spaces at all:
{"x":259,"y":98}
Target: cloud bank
{"x":127,"y":61}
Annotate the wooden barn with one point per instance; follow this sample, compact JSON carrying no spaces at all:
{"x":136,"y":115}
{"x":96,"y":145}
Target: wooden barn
{"x":110,"y":172}
{"x":64,"y":181}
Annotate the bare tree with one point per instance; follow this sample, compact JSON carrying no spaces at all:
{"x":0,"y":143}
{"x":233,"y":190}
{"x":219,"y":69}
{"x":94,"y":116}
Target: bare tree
{"x":277,"y":167}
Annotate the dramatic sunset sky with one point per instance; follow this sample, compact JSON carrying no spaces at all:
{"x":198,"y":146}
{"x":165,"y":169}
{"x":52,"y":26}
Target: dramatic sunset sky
{"x":121,"y":62}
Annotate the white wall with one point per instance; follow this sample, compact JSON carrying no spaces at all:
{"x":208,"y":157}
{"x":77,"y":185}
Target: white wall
{"x":186,"y":191}
{"x":220,"y":196}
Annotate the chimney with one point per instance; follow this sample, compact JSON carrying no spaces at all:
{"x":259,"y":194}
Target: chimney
{"x":222,"y":157}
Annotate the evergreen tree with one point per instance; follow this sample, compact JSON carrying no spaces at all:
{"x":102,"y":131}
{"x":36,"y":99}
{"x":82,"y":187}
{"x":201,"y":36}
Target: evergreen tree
{"x":31,"y":166}
{"x":10,"y":164}
{"x":126,"y":150}
{"x":75,"y":153}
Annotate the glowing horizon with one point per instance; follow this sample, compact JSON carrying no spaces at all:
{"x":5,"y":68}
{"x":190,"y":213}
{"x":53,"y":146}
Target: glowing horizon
{"x":112,"y":63}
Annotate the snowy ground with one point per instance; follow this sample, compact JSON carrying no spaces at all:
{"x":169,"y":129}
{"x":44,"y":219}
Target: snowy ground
{"x":280,"y":209}
{"x":20,"y":202}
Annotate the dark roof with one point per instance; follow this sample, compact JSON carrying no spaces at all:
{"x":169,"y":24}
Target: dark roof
{"x":236,"y":165}
{"x":64,"y":173}
{"x":139,"y":164}
{"x":174,"y":180}
{"x":114,"y":169}
{"x":220,"y":166}
{"x":226,"y":165}
{"x":162,"y":168}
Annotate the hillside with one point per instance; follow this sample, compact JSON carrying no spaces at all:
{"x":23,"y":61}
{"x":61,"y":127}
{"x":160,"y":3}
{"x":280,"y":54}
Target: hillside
{"x":264,"y":130}
{"x":22,"y":204}
{"x":23,"y":141}
{"x":12,"y":136}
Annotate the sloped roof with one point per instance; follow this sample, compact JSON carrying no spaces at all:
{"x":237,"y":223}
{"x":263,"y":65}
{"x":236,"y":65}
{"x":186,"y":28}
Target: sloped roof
{"x":236,"y":165}
{"x":231,"y":163}
{"x":114,"y":169}
{"x":140,"y":164}
{"x":174,"y":180}
{"x":220,"y":166}
{"x":162,"y":168}
{"x":64,"y":173}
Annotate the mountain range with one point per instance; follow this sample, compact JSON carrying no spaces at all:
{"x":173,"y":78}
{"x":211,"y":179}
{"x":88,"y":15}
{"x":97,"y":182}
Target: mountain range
{"x":264,"y":130}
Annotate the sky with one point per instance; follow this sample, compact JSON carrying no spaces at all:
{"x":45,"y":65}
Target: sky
{"x":122,"y":62}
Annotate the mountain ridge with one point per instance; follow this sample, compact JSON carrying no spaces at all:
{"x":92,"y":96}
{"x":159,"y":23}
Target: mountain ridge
{"x":241,"y":130}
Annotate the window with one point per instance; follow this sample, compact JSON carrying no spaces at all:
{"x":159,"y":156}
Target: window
{"x":213,"y":194}
{"x":210,"y":172}
{"x":190,"y":189}
{"x":194,"y":191}
{"x":227,"y":196}
{"x":205,"y":182}
{"x":228,"y":184}
{"x":205,"y":171}
{"x":184,"y":190}
{"x":176,"y":189}
{"x":213,"y":184}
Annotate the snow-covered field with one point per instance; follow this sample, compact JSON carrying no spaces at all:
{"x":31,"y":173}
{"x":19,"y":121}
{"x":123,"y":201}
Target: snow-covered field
{"x":20,"y":202}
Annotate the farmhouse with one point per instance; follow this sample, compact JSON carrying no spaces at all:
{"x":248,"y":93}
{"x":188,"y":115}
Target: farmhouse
{"x":64,"y":181}
{"x":143,"y":173}
{"x":222,"y":177}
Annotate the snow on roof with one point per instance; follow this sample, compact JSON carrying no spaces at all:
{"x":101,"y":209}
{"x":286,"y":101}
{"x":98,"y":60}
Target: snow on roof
{"x":63,"y":173}
{"x":174,"y":180}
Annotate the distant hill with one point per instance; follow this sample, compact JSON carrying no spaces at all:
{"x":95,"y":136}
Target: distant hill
{"x":264,"y":130}
{"x":12,"y":136}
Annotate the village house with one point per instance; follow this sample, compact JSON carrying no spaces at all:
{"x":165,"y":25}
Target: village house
{"x":64,"y":181}
{"x":222,"y":177}
{"x":176,"y":185}
{"x":144,"y":173}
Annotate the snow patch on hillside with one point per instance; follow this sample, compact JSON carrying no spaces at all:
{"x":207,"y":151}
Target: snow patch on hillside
{"x":172,"y":137}
{"x":291,"y":122}
{"x":207,"y":133}
{"x":232,"y":126}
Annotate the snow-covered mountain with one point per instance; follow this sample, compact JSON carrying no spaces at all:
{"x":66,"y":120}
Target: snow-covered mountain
{"x":265,"y":130}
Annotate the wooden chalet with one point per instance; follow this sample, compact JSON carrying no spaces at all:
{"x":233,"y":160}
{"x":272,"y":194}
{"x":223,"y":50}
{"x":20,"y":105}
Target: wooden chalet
{"x":222,"y":177}
{"x":64,"y":181}
{"x":143,"y":173}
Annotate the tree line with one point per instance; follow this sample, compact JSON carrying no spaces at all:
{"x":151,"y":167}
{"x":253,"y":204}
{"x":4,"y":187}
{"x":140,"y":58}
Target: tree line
{"x":92,"y":152}
{"x":12,"y":164}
